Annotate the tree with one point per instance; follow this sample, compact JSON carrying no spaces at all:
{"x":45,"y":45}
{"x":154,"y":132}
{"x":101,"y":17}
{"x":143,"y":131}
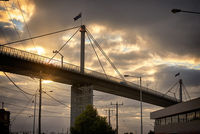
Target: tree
{"x":89,"y":122}
{"x":151,"y":132}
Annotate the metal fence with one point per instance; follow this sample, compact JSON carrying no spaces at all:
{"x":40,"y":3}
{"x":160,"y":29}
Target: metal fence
{"x":70,"y":67}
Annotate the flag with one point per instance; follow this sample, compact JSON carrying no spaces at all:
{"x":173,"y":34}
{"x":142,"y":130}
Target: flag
{"x":77,"y":17}
{"x":177,"y":74}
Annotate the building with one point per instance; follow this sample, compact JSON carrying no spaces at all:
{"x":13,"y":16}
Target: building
{"x":182,"y":118}
{"x":4,"y":121}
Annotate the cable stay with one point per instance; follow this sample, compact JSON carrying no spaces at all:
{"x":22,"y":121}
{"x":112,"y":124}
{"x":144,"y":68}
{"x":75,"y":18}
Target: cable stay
{"x":64,"y":45}
{"x":39,"y":36}
{"x":29,"y":33}
{"x":186,"y":91}
{"x":15,"y":28}
{"x":169,"y":90}
{"x":97,"y":56}
{"x":109,"y":60}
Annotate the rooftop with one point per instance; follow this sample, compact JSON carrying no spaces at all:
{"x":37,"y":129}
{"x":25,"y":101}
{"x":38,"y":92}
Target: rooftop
{"x":177,"y":108}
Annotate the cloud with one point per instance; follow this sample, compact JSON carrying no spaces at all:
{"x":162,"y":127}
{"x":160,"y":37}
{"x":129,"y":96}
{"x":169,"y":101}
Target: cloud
{"x":165,"y":76}
{"x":154,"y":23}
{"x":140,"y":37}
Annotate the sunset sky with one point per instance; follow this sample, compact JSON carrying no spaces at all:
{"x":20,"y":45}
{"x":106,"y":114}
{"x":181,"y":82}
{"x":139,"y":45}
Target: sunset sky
{"x":140,"y":37}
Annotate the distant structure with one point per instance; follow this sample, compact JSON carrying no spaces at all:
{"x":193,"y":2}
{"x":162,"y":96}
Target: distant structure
{"x":178,"y":119}
{"x":4,"y":121}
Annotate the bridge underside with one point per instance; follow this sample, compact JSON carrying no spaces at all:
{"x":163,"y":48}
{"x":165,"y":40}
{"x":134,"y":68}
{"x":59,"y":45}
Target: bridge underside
{"x":47,"y":71}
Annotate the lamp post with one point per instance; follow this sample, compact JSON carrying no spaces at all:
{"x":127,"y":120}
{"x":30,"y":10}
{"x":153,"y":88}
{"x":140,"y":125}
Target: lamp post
{"x":141,"y":125}
{"x":179,"y":10}
{"x":61,"y":57}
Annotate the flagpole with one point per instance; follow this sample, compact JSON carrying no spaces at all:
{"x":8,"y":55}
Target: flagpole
{"x":81,"y":18}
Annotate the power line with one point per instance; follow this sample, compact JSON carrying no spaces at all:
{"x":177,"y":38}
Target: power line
{"x":109,"y":110}
{"x":39,"y":36}
{"x":22,"y":110}
{"x":30,"y":115}
{"x":29,"y":108}
{"x":56,"y":99}
{"x":117,"y":105}
{"x":24,"y":92}
{"x":20,"y":100}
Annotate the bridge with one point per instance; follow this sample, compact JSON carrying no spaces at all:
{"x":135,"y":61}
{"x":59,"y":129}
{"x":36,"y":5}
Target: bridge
{"x":29,"y":64}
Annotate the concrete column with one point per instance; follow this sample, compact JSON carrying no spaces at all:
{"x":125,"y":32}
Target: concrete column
{"x":81,"y":96}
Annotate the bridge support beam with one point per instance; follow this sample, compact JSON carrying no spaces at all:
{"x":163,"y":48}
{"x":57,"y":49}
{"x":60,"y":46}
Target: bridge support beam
{"x":81,"y":96}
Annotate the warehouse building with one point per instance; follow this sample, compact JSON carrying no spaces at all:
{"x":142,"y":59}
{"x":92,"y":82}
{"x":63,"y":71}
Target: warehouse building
{"x":182,"y":118}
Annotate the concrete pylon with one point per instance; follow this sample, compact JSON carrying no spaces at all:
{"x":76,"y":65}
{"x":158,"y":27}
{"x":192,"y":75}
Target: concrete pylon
{"x":81,"y":96}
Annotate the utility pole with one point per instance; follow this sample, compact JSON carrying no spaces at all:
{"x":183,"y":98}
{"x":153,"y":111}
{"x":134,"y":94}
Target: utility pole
{"x":82,"y":64}
{"x":34,"y":113}
{"x":141,"y":122}
{"x":62,"y":57}
{"x":109,"y":110}
{"x":2,"y":105}
{"x":40,"y":103}
{"x":117,"y":105}
{"x":180,"y":90}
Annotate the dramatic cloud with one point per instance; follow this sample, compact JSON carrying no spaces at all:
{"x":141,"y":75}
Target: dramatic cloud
{"x":142,"y":38}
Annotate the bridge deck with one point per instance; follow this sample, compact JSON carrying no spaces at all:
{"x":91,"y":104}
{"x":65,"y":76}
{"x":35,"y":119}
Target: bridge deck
{"x":33,"y":65}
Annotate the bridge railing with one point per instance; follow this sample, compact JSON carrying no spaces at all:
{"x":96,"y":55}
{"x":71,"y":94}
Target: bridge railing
{"x":67,"y":66}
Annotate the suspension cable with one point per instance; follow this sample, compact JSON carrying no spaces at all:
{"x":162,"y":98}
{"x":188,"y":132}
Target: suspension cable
{"x":97,"y":55}
{"x":109,"y":60}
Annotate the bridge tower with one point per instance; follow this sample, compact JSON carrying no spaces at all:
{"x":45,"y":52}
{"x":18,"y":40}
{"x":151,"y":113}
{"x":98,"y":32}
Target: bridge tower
{"x":81,"y":95}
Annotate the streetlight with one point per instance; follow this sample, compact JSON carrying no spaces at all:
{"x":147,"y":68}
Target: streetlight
{"x":179,"y":10}
{"x":140,"y":99}
{"x":61,"y":57}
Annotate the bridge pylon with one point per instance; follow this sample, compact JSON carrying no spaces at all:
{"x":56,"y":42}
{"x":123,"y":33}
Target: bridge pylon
{"x":81,"y":95}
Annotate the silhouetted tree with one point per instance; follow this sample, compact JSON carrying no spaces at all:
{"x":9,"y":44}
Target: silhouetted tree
{"x":151,"y":132}
{"x":89,"y":122}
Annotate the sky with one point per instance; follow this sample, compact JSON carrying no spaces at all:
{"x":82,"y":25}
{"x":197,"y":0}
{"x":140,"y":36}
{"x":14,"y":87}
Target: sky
{"x":142,"y":38}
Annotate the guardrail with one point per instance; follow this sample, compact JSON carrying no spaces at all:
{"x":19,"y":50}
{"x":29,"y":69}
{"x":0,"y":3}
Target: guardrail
{"x":67,"y":66}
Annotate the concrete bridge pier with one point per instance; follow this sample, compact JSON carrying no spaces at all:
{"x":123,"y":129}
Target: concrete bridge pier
{"x":81,"y":96}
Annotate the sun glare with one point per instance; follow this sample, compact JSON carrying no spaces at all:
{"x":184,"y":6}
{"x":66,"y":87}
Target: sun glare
{"x":152,"y":71}
{"x":38,"y":50}
{"x":1,"y":73}
{"x":46,"y":81}
{"x":97,"y":28}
